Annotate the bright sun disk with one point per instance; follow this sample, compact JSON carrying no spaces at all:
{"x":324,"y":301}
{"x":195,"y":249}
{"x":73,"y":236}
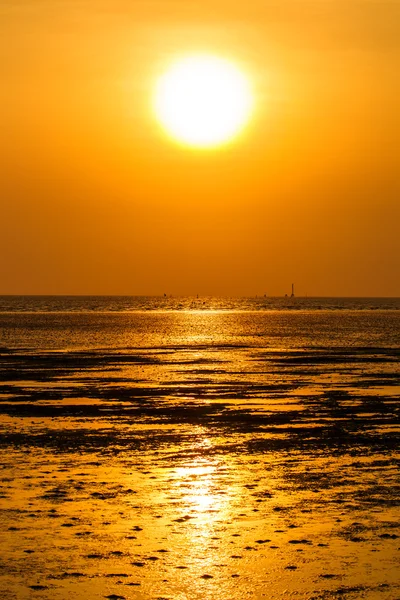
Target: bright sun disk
{"x":203,"y":100}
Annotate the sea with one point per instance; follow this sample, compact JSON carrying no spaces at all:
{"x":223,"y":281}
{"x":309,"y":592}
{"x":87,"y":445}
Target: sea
{"x":199,"y":447}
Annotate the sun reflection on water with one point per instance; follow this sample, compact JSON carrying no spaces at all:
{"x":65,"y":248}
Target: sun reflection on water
{"x":198,"y":481}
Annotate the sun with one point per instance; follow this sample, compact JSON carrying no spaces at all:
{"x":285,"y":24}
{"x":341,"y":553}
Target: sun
{"x":203,"y":101}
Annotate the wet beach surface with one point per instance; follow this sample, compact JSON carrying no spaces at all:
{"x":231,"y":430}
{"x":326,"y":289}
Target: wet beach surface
{"x":199,"y":458}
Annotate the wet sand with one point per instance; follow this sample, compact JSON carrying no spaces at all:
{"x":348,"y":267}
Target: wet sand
{"x":189,"y":472}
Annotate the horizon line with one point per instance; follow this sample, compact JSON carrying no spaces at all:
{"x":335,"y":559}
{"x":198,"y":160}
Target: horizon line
{"x":162,"y":295}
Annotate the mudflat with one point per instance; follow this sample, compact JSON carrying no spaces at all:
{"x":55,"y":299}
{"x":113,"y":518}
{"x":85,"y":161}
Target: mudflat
{"x":225,"y":469}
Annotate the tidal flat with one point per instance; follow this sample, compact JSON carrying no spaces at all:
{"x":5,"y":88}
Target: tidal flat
{"x":217,"y":468}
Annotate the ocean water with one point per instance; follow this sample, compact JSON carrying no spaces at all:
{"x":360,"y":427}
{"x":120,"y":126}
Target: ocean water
{"x":62,"y":322}
{"x":187,"y":303}
{"x":195,"y":448}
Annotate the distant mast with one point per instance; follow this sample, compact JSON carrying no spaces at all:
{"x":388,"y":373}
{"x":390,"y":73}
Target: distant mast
{"x":292,"y":296}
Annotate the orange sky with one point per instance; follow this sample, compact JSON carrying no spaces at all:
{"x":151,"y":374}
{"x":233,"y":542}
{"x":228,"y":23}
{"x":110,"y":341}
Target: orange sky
{"x":95,"y":199}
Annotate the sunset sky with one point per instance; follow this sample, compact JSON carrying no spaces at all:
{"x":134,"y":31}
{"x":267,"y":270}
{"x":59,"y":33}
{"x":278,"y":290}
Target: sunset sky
{"x":96,"y":198}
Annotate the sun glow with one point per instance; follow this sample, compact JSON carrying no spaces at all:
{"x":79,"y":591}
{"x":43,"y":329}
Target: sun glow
{"x":203,"y":101}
